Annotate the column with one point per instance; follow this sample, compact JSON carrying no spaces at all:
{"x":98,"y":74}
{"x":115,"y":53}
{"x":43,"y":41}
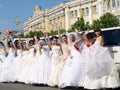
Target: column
{"x":67,"y":18}
{"x":79,"y":13}
{"x":90,"y":13}
{"x":100,"y":8}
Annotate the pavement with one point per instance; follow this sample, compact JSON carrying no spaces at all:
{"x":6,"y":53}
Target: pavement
{"x":19,"y":86}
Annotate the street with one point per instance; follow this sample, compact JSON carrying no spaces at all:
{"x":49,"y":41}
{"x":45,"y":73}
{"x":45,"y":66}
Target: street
{"x":18,"y":86}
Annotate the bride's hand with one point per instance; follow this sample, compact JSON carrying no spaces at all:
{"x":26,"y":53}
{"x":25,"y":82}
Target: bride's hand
{"x":76,"y":30}
{"x":86,"y":32}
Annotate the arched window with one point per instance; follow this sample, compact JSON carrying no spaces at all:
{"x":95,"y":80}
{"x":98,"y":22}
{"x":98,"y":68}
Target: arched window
{"x":83,"y":11}
{"x":113,"y":3}
{"x":108,"y":5}
{"x":76,"y":13}
{"x":118,"y":3}
{"x":87,"y":10}
{"x":72,"y":14}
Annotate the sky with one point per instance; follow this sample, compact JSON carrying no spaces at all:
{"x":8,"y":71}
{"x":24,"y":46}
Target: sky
{"x":23,"y":9}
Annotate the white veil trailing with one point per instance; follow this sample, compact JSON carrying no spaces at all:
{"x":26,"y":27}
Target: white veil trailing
{"x":75,"y":35}
{"x":27,"y":43}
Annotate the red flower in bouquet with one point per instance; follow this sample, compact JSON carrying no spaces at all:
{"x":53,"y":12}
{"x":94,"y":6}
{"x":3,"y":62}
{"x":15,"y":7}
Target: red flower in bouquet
{"x":87,"y":44}
{"x":7,"y":31}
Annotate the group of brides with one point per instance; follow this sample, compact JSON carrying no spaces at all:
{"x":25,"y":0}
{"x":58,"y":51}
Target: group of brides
{"x":77,"y":62}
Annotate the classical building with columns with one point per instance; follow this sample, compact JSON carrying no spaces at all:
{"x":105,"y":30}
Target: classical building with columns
{"x":66,"y":14}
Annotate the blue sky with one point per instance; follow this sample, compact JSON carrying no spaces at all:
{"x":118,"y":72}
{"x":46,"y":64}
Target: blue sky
{"x":9,"y":9}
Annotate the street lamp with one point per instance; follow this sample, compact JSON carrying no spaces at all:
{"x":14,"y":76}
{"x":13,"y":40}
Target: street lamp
{"x":17,"y":22}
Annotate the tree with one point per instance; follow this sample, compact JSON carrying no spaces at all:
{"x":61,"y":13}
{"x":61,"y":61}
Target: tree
{"x":106,"y":21}
{"x":21,"y":35}
{"x":81,"y":25}
{"x":87,"y":26}
{"x":96,"y":24}
{"x":31,"y":34}
{"x":109,"y":20}
{"x":55,"y":32}
{"x":62,"y":31}
{"x":70,"y":30}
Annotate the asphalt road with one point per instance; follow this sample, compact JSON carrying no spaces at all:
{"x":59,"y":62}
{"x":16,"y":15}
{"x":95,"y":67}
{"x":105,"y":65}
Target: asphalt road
{"x":18,"y":86}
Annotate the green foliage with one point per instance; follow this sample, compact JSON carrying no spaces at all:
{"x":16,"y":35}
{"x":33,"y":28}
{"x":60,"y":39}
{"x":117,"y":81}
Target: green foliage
{"x":105,"y":21}
{"x":96,"y":24}
{"x":53,"y":32}
{"x":70,"y":30}
{"x":31,"y":34}
{"x":109,"y":20}
{"x":21,"y":35}
{"x":79,"y":24}
{"x":88,"y":26}
{"x":62,"y":31}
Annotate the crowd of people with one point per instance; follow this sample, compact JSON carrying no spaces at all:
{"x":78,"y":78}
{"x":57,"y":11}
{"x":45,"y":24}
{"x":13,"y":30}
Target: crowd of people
{"x":77,"y":60}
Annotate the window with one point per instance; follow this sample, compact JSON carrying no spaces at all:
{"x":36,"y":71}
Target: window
{"x":60,"y":25}
{"x":114,"y":37}
{"x":76,"y":13}
{"x":83,"y":11}
{"x":113,"y":4}
{"x":72,"y":14}
{"x":118,"y":3}
{"x":94,"y":9}
{"x":117,"y":37}
{"x":87,"y":10}
{"x":108,"y":37}
{"x":108,"y":5}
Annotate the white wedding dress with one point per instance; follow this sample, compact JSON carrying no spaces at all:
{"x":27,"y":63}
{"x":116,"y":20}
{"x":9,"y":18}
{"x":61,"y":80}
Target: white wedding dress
{"x":25,"y":65}
{"x":7,"y":65}
{"x":56,"y":52}
{"x":15,"y":67}
{"x":2,"y":58}
{"x":42,"y":68}
{"x":101,"y":71}
{"x":73,"y":70}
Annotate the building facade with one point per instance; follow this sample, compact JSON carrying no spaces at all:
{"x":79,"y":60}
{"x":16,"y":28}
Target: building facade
{"x":66,"y":14}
